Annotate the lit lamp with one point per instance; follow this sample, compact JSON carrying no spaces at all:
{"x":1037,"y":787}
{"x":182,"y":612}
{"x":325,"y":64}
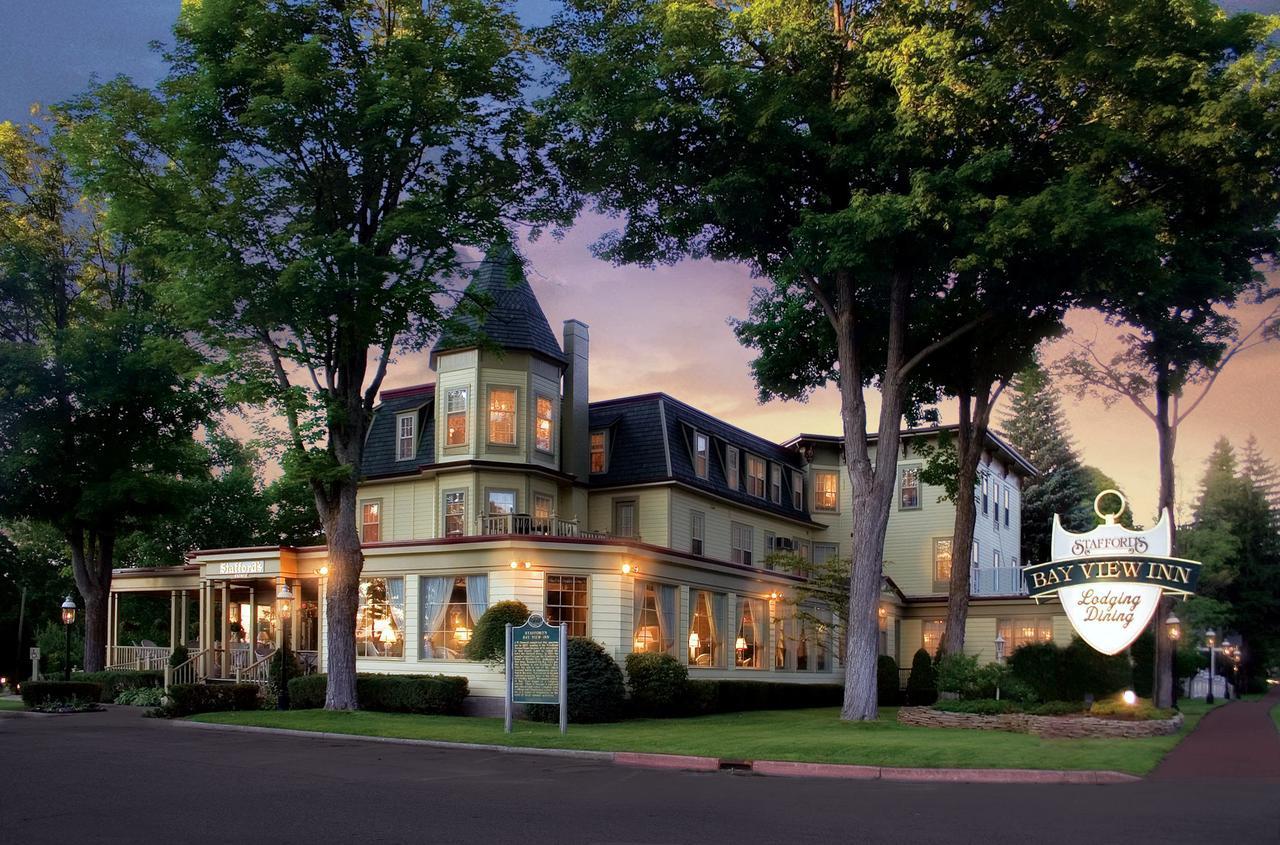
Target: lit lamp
{"x":695,"y":642}
{"x":629,"y":568}
{"x":68,"y":619}
{"x":1173,"y":629}
{"x":525,"y":564}
{"x":284,"y":597}
{"x":740,"y":646}
{"x":1210,"y":637}
{"x":775,"y":595}
{"x":999,"y":647}
{"x":639,"y":644}
{"x":462,"y":634}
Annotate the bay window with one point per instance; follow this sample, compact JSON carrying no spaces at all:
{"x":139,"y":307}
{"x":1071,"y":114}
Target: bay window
{"x":706,"y":629}
{"x":449,"y":609}
{"x":655,"y":618}
{"x":380,"y":618}
{"x":456,"y":417}
{"x":750,"y":639}
{"x":566,"y":601}
{"x":502,"y":416}
{"x":543,"y":425}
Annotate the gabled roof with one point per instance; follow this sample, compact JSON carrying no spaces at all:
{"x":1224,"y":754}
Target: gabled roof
{"x":651,"y":440}
{"x":380,"y":443}
{"x":513,"y":319}
{"x":994,"y":440}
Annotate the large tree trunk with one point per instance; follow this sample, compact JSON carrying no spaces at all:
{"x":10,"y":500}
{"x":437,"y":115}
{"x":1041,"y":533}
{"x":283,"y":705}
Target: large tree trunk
{"x":1166,"y":435}
{"x":92,"y":555}
{"x":342,"y":600}
{"x":872,"y":489}
{"x":974,"y":419}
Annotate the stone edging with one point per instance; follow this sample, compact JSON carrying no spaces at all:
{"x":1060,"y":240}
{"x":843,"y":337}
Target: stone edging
{"x":779,"y":768}
{"x":1052,"y":727}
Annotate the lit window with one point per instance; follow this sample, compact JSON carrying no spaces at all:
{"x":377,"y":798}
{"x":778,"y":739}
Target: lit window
{"x":597,"y":451}
{"x":406,"y":437}
{"x":543,"y":428}
{"x":542,"y":507}
{"x":456,"y":417}
{"x":749,"y":642}
{"x":826,"y":490}
{"x":706,"y":626}
{"x":700,"y":449}
{"x":1006,"y":507}
{"x":797,"y":490}
{"x":380,"y":618}
{"x":740,"y":537}
{"x":624,"y":518}
{"x":502,"y":416}
{"x":371,"y":522}
{"x":455,"y":513}
{"x":567,"y":602}
{"x":909,"y":488}
{"x":931,"y":635}
{"x":755,"y":475}
{"x":731,"y":461}
{"x":1019,"y":632}
{"x":775,"y":484}
{"x":655,"y":618}
{"x":697,"y":532}
{"x":941,"y":563}
{"x":449,"y":610}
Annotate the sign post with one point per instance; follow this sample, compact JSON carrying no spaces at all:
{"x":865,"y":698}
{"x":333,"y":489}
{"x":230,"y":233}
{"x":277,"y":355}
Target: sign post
{"x":1110,"y":579}
{"x":35,"y":662}
{"x":537,"y":667}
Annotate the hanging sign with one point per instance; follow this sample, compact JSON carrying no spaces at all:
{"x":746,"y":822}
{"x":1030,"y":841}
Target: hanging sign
{"x":537,"y":666}
{"x":1110,"y":580}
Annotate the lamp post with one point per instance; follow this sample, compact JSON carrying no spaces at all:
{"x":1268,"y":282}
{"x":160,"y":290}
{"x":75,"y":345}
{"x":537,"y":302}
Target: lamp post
{"x":999,"y":658}
{"x":68,"y":619}
{"x":1173,"y":627}
{"x":284,"y":595}
{"x":1210,"y":636}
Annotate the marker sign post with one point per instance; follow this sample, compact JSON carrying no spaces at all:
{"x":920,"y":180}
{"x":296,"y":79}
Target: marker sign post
{"x":538,"y":667}
{"x":1110,"y":579}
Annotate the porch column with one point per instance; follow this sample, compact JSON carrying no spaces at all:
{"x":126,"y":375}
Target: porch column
{"x":322,"y":615}
{"x":111,"y":607}
{"x":225,"y":628}
{"x":203,"y":627}
{"x":173,"y":620}
{"x":294,"y":607}
{"x":250,"y":625}
{"x":186,"y":617}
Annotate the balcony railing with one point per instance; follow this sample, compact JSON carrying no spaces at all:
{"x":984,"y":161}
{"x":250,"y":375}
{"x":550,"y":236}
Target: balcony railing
{"x":501,"y":524}
{"x":996,"y":581}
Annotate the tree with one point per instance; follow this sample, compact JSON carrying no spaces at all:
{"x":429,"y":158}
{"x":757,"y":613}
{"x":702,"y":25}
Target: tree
{"x":35,"y":575}
{"x":1191,"y":146}
{"x":1036,"y":427}
{"x":307,"y":172}
{"x":1097,"y":481}
{"x":868,"y":160}
{"x":99,"y":395}
{"x":1259,"y":471}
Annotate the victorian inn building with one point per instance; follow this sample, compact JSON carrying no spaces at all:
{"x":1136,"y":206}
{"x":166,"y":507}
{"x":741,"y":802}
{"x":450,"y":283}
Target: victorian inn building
{"x":641,"y":522}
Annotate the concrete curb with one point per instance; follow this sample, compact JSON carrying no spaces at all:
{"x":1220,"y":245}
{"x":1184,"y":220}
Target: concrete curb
{"x":680,"y":762}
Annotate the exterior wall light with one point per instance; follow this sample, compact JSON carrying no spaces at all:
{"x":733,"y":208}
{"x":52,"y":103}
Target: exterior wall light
{"x":629,"y":568}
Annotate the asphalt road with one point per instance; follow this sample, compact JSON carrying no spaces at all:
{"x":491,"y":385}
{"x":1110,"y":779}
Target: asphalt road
{"x":117,"y":777}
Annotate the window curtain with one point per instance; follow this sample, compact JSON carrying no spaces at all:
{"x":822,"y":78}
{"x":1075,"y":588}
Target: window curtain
{"x":395,"y":598}
{"x":435,"y":604}
{"x":667,"y":616}
{"x":716,"y":601}
{"x":477,"y":596}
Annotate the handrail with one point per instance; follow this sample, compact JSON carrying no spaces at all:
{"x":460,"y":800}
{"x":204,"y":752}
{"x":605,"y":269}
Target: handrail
{"x":256,"y":673}
{"x":138,"y":657}
{"x":187,"y":672}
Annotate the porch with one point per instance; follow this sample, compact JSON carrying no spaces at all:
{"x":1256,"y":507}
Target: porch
{"x":996,"y":581}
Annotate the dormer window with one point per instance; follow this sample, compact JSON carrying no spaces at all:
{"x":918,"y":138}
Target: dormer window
{"x":406,"y":436}
{"x":731,"y":461}
{"x":597,"y":451}
{"x":455,"y":422}
{"x":755,"y":475}
{"x":775,"y":484}
{"x":700,"y":447}
{"x":797,"y":490}
{"x":502,"y":416}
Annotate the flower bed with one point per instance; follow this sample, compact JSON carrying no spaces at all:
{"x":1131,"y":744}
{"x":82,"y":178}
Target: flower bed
{"x":1061,"y":727}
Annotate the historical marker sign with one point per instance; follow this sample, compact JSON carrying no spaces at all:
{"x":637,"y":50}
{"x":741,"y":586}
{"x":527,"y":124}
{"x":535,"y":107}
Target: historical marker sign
{"x":537,"y":662}
{"x":1110,"y":579}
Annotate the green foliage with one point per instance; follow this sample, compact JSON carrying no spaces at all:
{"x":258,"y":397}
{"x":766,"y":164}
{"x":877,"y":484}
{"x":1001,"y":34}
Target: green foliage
{"x":1140,"y":711}
{"x":178,"y":656}
{"x":189,"y":699}
{"x":141,"y":697}
{"x":1055,"y":708}
{"x":35,"y":575}
{"x":1036,"y":665}
{"x":941,"y":464}
{"x":116,"y":681}
{"x":430,"y":694}
{"x":658,"y":683}
{"x":978,"y":706}
{"x":40,"y":693}
{"x":999,"y":677}
{"x":1063,"y":674}
{"x":51,"y":637}
{"x":957,"y":673}
{"x":276,"y":665}
{"x":596,"y":691}
{"x":888,"y":685}
{"x":922,"y":683}
{"x":488,"y":642}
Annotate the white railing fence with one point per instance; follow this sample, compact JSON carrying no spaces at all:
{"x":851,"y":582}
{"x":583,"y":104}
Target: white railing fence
{"x":138,"y":657}
{"x":996,"y":581}
{"x":255,"y":673}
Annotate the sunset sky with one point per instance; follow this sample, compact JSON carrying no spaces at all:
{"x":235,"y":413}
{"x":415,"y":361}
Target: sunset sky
{"x":663,"y":329}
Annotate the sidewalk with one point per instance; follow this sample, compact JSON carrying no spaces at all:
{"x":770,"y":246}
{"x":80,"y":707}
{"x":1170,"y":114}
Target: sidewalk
{"x":1238,"y":741}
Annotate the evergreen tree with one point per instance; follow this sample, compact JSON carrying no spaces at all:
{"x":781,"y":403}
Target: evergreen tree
{"x":1261,"y":473}
{"x":1036,"y":427}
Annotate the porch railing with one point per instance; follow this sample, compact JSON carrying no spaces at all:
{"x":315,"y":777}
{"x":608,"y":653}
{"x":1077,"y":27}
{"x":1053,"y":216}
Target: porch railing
{"x":255,"y":673}
{"x":138,"y":657}
{"x":185,"y":673}
{"x":499,"y":524}
{"x":309,"y":661}
{"x":996,"y":581}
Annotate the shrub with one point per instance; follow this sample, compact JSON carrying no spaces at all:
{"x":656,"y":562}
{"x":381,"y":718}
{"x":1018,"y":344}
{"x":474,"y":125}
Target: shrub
{"x":424,"y":694}
{"x":276,"y":663}
{"x":1055,"y":708}
{"x":39,"y":693}
{"x":1086,"y":671}
{"x":116,"y":681}
{"x":1140,"y":710}
{"x":1036,"y":666}
{"x":596,"y":691}
{"x":1142,"y":652}
{"x":978,"y":706}
{"x":189,"y":699}
{"x":922,"y":685}
{"x":888,"y":689}
{"x":51,"y":637}
{"x":659,"y":685}
{"x":488,"y":642}
{"x":957,"y":673}
{"x":179,"y":656}
{"x":141,"y":697}
{"x":736,"y":696}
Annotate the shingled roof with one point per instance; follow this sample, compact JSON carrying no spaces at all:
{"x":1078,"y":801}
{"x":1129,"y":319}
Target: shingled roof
{"x":513,"y":319}
{"x":380,"y":443}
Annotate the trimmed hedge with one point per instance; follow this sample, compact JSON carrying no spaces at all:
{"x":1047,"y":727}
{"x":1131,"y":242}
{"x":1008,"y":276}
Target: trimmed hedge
{"x":189,"y":699}
{"x":888,"y":687}
{"x":423,"y":694}
{"x":706,"y":697}
{"x":922,"y":683}
{"x":596,"y":691}
{"x":37,"y":693}
{"x":659,"y":684}
{"x":116,"y":681}
{"x":1055,"y":708}
{"x":1066,"y":674}
{"x":488,"y":643}
{"x":978,"y":706}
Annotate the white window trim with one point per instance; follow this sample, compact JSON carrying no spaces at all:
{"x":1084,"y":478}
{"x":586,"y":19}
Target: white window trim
{"x":412,"y":417}
{"x":797,"y":489}
{"x":363,"y":504}
{"x":449,"y":411}
{"x":736,"y":531}
{"x":763,"y":477}
{"x":444,"y":511}
{"x":705,"y":452}
{"x":775,"y":484}
{"x":698,"y":532}
{"x":515,"y":416}
{"x":732,"y":467}
{"x":834,"y":508}
{"x":538,"y":397}
{"x":902,"y":477}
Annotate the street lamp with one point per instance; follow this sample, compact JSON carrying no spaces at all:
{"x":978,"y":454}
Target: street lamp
{"x":1173,"y":627}
{"x":284,"y":596}
{"x":999,"y":647}
{"x":68,"y":619}
{"x":1209,"y":636}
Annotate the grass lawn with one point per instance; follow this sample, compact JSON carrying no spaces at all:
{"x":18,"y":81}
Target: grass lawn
{"x":12,"y":704}
{"x":805,"y":735}
{"x":1275,"y":716}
